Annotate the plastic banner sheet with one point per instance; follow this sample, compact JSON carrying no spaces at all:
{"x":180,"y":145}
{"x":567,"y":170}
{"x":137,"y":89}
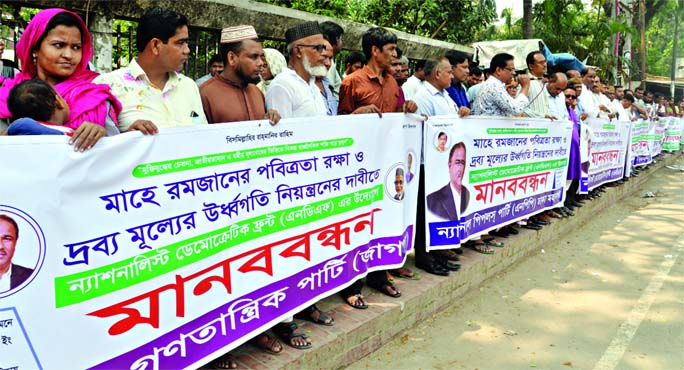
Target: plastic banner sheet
{"x":166,"y":251}
{"x":483,"y":173}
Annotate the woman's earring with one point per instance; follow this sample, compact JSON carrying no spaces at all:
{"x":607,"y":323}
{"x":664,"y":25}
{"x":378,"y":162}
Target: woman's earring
{"x":34,"y":59}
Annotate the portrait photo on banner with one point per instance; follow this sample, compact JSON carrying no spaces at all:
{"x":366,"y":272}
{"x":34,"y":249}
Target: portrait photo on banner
{"x":451,"y":200}
{"x":22,"y":248}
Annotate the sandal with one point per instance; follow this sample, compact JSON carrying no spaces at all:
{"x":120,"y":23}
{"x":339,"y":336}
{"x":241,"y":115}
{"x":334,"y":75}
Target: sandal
{"x":316,"y":316}
{"x":480,"y":247}
{"x":268,"y":343}
{"x":492,"y":242}
{"x":225,"y":362}
{"x":286,"y":331}
{"x":356,"y":302}
{"x":390,"y":290}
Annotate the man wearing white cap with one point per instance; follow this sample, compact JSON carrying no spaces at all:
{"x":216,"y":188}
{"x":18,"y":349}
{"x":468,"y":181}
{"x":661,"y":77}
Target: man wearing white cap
{"x":232,"y":95}
{"x":293,"y":93}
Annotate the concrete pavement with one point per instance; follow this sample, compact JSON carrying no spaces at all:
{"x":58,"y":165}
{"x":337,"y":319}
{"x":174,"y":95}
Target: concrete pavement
{"x":358,"y":333}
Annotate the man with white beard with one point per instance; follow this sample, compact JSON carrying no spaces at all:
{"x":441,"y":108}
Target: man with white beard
{"x":293,"y":92}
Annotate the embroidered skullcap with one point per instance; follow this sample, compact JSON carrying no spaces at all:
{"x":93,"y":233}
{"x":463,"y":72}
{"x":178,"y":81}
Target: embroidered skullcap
{"x":238,"y":33}
{"x":301,"y":31}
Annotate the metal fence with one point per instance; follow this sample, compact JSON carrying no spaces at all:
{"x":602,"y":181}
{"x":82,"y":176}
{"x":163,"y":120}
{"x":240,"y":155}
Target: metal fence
{"x":203,"y":42}
{"x":203,"y":45}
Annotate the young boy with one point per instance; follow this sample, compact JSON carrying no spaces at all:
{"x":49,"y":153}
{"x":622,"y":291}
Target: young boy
{"x":37,"y":109}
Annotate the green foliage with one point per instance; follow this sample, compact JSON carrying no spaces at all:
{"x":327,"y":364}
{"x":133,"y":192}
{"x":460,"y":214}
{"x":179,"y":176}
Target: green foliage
{"x":659,"y":41}
{"x":13,"y":18}
{"x":123,"y":42}
{"x":450,"y":20}
{"x":566,"y":26}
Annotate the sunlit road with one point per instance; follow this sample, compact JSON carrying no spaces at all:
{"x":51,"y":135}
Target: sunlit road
{"x":610,"y":296}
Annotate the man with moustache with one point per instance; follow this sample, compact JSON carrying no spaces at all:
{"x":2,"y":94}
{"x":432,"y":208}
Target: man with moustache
{"x":452,"y":199}
{"x":434,"y":100}
{"x":11,"y":275}
{"x":324,"y":84}
{"x":151,"y":90}
{"x":293,"y":93}
{"x":539,"y":104}
{"x":492,"y":98}
{"x":373,"y":89}
{"x":232,"y":95}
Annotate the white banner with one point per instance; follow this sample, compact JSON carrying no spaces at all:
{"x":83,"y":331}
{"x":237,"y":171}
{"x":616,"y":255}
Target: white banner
{"x":165,"y":251}
{"x":607,"y":144}
{"x":673,"y":133}
{"x":483,"y":173}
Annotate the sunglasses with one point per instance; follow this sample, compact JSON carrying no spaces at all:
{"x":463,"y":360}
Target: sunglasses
{"x":571,"y":96}
{"x":318,"y":47}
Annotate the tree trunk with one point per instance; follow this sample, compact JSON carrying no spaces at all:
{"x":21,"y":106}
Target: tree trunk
{"x":527,"y":19}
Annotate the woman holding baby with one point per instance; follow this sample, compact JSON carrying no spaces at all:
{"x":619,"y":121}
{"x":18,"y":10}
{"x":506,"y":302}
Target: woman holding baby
{"x":56,"y":48}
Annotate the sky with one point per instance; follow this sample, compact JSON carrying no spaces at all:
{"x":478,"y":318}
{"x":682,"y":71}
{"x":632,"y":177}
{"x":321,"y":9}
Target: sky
{"x":516,"y":5}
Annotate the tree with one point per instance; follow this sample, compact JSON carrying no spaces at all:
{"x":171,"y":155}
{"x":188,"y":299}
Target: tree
{"x":527,"y":19}
{"x":450,"y":20}
{"x":659,"y":36}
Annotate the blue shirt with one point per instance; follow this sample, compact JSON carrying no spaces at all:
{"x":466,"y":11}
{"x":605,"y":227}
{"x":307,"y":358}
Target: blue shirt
{"x":330,"y":101}
{"x":458,"y":94}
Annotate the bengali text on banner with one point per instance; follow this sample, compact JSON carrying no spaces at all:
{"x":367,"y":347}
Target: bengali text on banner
{"x":483,"y":173}
{"x":166,"y":251}
{"x":606,"y":143}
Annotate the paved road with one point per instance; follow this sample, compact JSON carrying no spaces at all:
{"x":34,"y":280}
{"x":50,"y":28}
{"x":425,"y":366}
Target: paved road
{"x":609,"y":297}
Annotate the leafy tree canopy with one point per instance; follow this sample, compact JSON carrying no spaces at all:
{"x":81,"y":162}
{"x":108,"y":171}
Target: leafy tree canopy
{"x":455,"y":21}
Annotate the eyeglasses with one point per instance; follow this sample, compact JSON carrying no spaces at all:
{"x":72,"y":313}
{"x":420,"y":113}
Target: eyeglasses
{"x":458,"y":162}
{"x":571,"y":96}
{"x":510,"y":69}
{"x":318,"y":47}
{"x":398,"y":182}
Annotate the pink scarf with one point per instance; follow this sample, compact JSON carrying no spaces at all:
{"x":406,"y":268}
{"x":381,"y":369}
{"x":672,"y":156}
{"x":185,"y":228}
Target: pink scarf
{"x":87,"y":101}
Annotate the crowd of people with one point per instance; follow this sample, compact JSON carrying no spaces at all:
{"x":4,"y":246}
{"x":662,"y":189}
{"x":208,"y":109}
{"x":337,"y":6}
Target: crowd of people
{"x":54,"y":93}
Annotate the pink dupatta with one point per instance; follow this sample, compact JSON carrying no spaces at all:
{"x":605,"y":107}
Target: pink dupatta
{"x":87,"y":101}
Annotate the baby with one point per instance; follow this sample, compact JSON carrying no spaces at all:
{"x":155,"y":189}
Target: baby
{"x":37,"y":109}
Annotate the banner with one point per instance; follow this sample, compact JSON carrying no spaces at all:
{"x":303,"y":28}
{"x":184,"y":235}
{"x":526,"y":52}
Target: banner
{"x":673,"y":133}
{"x":640,"y":153}
{"x":607,"y":152}
{"x":166,"y":251}
{"x":656,"y":136}
{"x":483,"y":173}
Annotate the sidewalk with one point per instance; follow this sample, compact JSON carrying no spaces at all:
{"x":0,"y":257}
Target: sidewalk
{"x":359,"y":332}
